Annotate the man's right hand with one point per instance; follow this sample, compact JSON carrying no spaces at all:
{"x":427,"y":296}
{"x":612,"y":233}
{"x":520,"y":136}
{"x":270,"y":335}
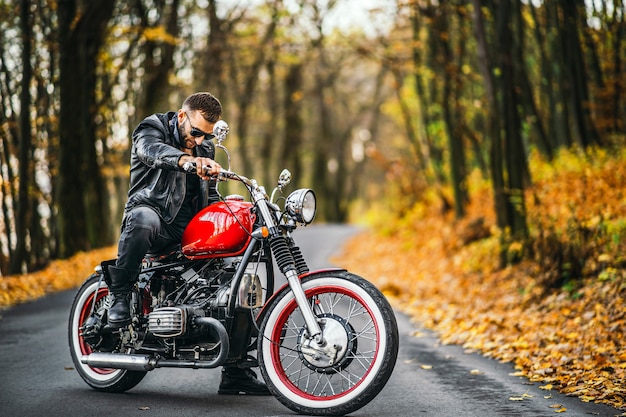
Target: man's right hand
{"x":205,"y":167}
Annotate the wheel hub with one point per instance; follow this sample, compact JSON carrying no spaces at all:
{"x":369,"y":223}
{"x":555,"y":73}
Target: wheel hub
{"x":332,"y":354}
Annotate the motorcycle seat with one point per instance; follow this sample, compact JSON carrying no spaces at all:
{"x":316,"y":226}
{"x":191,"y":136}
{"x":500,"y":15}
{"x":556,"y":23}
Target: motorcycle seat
{"x":166,"y":253}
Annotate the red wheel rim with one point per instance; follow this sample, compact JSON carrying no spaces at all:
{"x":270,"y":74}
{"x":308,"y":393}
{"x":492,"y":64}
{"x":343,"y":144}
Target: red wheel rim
{"x":85,"y":312}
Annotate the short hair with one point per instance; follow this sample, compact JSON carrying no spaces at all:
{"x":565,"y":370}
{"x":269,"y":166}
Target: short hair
{"x":206,"y":103}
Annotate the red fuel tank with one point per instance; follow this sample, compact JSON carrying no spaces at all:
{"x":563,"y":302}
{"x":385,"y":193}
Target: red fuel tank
{"x":215,"y":231}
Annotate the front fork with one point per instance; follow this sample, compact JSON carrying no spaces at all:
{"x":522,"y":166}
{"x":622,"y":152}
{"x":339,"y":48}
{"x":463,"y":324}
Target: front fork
{"x":315,"y":331}
{"x":287,"y":265}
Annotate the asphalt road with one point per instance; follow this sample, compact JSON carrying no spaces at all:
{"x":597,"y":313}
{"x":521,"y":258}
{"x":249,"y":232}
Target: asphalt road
{"x":37,"y":377}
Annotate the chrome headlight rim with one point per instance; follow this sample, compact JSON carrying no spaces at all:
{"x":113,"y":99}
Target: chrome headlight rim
{"x":301,"y":205}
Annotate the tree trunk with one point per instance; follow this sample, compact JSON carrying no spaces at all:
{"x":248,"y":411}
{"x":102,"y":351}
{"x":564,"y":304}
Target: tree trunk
{"x":507,"y":153}
{"x":579,"y":100}
{"x":545,"y":84}
{"x":19,"y":260}
{"x":619,"y":17}
{"x":270,"y":136}
{"x":209,"y":71}
{"x":458,"y":170}
{"x":292,"y":143}
{"x":159,"y":56}
{"x":532,"y":112}
{"x":555,"y":59}
{"x":407,"y":118}
{"x":82,"y":27}
{"x":9,"y":144}
{"x":435,"y":154}
{"x":323,"y":142}
{"x":244,"y":101}
{"x":7,"y":193}
{"x":493,"y":129}
{"x":515,"y":155}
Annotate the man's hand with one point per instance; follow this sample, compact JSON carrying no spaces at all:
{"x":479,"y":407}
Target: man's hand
{"x":205,"y":167}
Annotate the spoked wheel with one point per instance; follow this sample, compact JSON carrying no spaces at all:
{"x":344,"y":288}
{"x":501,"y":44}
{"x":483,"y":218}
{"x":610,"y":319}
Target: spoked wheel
{"x":83,"y":339}
{"x":353,"y":362}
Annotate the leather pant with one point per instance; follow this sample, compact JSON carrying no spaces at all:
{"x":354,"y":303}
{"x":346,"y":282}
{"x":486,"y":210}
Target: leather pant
{"x":144,"y":231}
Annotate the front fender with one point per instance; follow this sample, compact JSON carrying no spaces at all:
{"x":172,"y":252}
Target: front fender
{"x":261,"y":315}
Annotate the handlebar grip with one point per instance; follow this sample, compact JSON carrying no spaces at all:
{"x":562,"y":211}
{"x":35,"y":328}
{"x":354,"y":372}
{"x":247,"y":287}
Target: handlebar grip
{"x":189,"y":167}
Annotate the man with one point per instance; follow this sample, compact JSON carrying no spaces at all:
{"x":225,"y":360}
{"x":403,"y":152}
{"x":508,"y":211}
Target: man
{"x":162,"y":199}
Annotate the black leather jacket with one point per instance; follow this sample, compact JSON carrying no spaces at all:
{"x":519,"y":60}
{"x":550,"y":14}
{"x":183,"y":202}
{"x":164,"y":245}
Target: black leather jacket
{"x":156,"y":180}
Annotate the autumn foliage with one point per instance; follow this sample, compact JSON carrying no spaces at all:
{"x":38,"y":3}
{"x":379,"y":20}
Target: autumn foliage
{"x":59,"y":275}
{"x":557,"y":312}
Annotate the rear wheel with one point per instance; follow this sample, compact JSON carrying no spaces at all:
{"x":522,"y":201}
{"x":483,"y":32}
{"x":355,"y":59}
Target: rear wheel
{"x":357,"y":359}
{"x":82,"y":342}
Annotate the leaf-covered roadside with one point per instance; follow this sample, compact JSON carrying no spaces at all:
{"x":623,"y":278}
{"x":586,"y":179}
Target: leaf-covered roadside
{"x":59,"y":275}
{"x":561,"y":330}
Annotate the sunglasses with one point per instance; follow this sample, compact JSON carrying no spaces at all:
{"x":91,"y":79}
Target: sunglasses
{"x":196,"y":133}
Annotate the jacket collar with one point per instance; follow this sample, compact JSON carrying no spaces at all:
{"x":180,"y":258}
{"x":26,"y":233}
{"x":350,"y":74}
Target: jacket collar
{"x":173,"y":125}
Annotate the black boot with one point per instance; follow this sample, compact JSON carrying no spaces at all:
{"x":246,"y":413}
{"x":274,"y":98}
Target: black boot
{"x":119,"y":313}
{"x":241,"y":381}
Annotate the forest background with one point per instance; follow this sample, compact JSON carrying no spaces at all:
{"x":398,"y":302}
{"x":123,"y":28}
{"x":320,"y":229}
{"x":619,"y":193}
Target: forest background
{"x":480,"y":139}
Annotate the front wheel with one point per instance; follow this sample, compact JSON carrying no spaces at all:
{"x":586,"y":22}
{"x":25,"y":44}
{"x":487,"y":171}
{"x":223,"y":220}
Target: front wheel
{"x":353,"y":363}
{"x":93,"y":296}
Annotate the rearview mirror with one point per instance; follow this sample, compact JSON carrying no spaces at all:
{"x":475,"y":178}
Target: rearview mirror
{"x":284,"y":179}
{"x":220,"y":130}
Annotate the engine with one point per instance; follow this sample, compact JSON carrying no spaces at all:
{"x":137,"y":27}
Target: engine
{"x":171,"y":320}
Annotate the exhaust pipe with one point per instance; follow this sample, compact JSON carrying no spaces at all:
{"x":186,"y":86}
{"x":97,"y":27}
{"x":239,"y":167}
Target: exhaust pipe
{"x":222,"y":334}
{"x":120,"y":361}
{"x":134,"y":362}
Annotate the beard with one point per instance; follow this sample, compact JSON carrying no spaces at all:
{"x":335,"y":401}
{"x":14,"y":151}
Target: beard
{"x":188,"y":141}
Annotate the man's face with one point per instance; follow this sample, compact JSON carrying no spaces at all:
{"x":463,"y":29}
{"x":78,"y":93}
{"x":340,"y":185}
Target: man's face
{"x":193,"y":128}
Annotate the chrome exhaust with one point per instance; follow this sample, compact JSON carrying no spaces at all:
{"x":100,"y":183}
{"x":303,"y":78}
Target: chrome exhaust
{"x":133,"y":362}
{"x":120,"y":361}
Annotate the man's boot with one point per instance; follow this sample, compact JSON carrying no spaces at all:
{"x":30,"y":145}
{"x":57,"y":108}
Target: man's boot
{"x":119,"y":313}
{"x":241,"y":381}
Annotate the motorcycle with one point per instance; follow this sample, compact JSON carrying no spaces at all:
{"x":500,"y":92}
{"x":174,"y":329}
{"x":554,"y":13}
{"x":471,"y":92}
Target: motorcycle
{"x":326,"y":341}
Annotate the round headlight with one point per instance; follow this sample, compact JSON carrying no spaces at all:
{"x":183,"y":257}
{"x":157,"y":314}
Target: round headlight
{"x":301,"y":205}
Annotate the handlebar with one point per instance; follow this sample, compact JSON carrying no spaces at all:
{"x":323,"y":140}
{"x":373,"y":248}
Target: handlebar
{"x":224,"y":174}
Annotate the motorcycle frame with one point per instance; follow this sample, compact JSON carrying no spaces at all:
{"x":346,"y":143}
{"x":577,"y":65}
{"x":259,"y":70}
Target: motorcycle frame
{"x":253,"y":246}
